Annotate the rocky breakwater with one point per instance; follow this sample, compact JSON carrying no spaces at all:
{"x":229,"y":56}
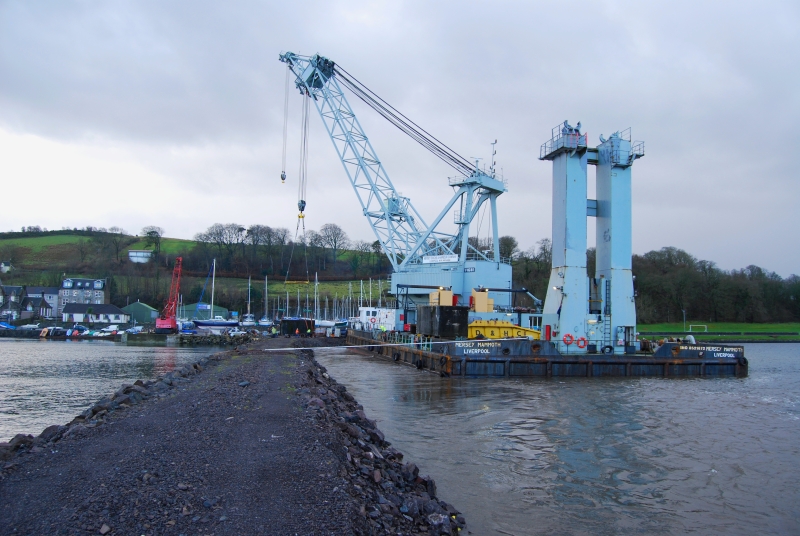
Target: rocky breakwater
{"x":216,"y":340}
{"x":396,"y":499}
{"x":247,"y":441}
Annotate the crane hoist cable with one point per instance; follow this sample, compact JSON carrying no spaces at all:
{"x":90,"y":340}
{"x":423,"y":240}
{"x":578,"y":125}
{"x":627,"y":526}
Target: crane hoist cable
{"x":285,"y":125}
{"x":301,"y":188}
{"x":303,"y":174}
{"x":291,"y":252}
{"x":406,"y":125}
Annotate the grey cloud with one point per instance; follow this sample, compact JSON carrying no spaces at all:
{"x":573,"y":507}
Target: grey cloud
{"x":196,"y":91}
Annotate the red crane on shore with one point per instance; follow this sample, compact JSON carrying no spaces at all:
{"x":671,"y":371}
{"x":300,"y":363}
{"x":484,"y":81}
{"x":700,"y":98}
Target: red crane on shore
{"x":167,"y":321}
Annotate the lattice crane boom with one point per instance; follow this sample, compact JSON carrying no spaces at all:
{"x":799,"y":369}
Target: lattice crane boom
{"x":167,"y":320}
{"x":401,"y":230}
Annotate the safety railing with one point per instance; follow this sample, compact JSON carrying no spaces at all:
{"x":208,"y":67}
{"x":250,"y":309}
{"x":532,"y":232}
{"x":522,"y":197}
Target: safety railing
{"x":562,"y":138}
{"x":473,"y":256}
{"x":415,"y":342}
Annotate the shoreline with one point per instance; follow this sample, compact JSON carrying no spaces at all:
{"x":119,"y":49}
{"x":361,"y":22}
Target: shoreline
{"x":222,"y":445}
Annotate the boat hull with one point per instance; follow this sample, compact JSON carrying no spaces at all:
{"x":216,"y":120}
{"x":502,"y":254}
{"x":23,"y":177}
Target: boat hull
{"x":215,"y":323}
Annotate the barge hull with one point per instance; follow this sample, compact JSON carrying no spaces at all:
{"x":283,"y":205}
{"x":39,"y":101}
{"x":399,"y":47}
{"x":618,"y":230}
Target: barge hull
{"x":555,"y":365}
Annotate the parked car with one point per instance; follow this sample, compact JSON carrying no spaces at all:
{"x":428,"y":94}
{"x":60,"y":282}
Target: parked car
{"x":110,"y":328}
{"x":135,"y":329}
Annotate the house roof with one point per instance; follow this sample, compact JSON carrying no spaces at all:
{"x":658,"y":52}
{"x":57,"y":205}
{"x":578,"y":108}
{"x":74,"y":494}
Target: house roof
{"x":82,"y":282}
{"x":9,"y":289}
{"x":97,"y":309}
{"x":138,"y":304}
{"x":35,"y":302}
{"x":42,"y":290}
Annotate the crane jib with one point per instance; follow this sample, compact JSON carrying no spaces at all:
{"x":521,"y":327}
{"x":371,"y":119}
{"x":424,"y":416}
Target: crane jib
{"x":399,"y":227}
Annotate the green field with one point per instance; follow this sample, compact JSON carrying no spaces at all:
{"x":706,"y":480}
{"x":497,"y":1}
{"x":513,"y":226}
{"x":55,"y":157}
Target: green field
{"x":36,"y":243}
{"x":170,"y":246}
{"x":721,"y":326}
{"x":751,"y":332}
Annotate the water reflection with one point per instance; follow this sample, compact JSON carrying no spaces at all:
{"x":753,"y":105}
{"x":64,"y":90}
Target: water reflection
{"x":49,"y":382}
{"x":599,"y":456}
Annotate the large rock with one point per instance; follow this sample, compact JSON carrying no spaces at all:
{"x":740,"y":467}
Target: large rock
{"x":20,"y":441}
{"x":51,"y":433}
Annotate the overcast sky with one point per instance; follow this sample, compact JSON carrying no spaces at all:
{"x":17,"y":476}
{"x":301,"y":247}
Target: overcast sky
{"x":170,"y":113}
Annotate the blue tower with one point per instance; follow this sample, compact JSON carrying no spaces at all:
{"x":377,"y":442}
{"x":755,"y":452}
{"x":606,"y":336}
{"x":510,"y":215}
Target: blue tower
{"x":588,"y":314}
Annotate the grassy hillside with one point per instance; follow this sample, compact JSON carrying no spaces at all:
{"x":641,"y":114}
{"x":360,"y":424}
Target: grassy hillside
{"x":793,"y":327}
{"x":169,"y":246}
{"x":734,"y":331}
{"x":38,"y":243}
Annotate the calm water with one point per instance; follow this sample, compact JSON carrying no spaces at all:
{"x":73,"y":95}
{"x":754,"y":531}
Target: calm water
{"x":50,"y":382}
{"x":599,"y":456}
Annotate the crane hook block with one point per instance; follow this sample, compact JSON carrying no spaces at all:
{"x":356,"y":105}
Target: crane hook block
{"x":283,"y":176}
{"x":301,"y":205}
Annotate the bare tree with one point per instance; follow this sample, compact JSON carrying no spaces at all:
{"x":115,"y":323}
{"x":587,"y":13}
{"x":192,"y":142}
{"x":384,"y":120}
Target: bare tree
{"x":82,"y":246}
{"x":281,"y":238}
{"x":228,"y":238}
{"x":119,"y":239}
{"x":335,"y":238}
{"x":316,"y":244}
{"x":258,"y":235}
{"x":153,"y":235}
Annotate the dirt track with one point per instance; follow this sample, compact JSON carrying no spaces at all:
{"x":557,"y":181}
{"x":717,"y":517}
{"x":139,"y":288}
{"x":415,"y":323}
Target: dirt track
{"x":248,"y":442}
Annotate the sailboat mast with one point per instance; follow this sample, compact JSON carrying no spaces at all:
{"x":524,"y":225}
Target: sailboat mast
{"x":213,"y":278}
{"x":248,"y":296}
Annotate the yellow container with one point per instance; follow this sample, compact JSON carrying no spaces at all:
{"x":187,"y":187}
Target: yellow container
{"x":500,"y":329}
{"x":480,"y":302}
{"x":441,"y":297}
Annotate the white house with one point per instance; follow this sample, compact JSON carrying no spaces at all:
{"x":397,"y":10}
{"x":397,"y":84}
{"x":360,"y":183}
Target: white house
{"x":91,"y":313}
{"x":140,"y":255}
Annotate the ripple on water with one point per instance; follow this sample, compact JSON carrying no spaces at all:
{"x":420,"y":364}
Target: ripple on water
{"x":601,"y":456}
{"x":50,"y":382}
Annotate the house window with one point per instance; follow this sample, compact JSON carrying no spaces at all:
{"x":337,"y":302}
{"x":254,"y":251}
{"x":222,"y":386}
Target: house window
{"x":98,"y":293}
{"x":98,"y":284}
{"x":65,"y":292}
{"x":74,"y":292}
{"x":64,"y":301}
{"x":68,"y":283}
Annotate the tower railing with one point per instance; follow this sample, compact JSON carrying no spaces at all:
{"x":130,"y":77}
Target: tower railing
{"x":562,"y":140}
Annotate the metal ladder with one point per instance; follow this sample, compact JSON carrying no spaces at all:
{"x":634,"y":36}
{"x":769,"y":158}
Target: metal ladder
{"x":607,"y":316}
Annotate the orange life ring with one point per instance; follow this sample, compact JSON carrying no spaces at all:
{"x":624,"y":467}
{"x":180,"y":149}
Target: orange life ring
{"x":582,"y":342}
{"x":568,"y":339}
{"x":373,"y":319}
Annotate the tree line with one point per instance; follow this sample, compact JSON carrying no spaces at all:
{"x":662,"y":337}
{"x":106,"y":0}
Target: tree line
{"x":670,"y":281}
{"x":667,"y":282}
